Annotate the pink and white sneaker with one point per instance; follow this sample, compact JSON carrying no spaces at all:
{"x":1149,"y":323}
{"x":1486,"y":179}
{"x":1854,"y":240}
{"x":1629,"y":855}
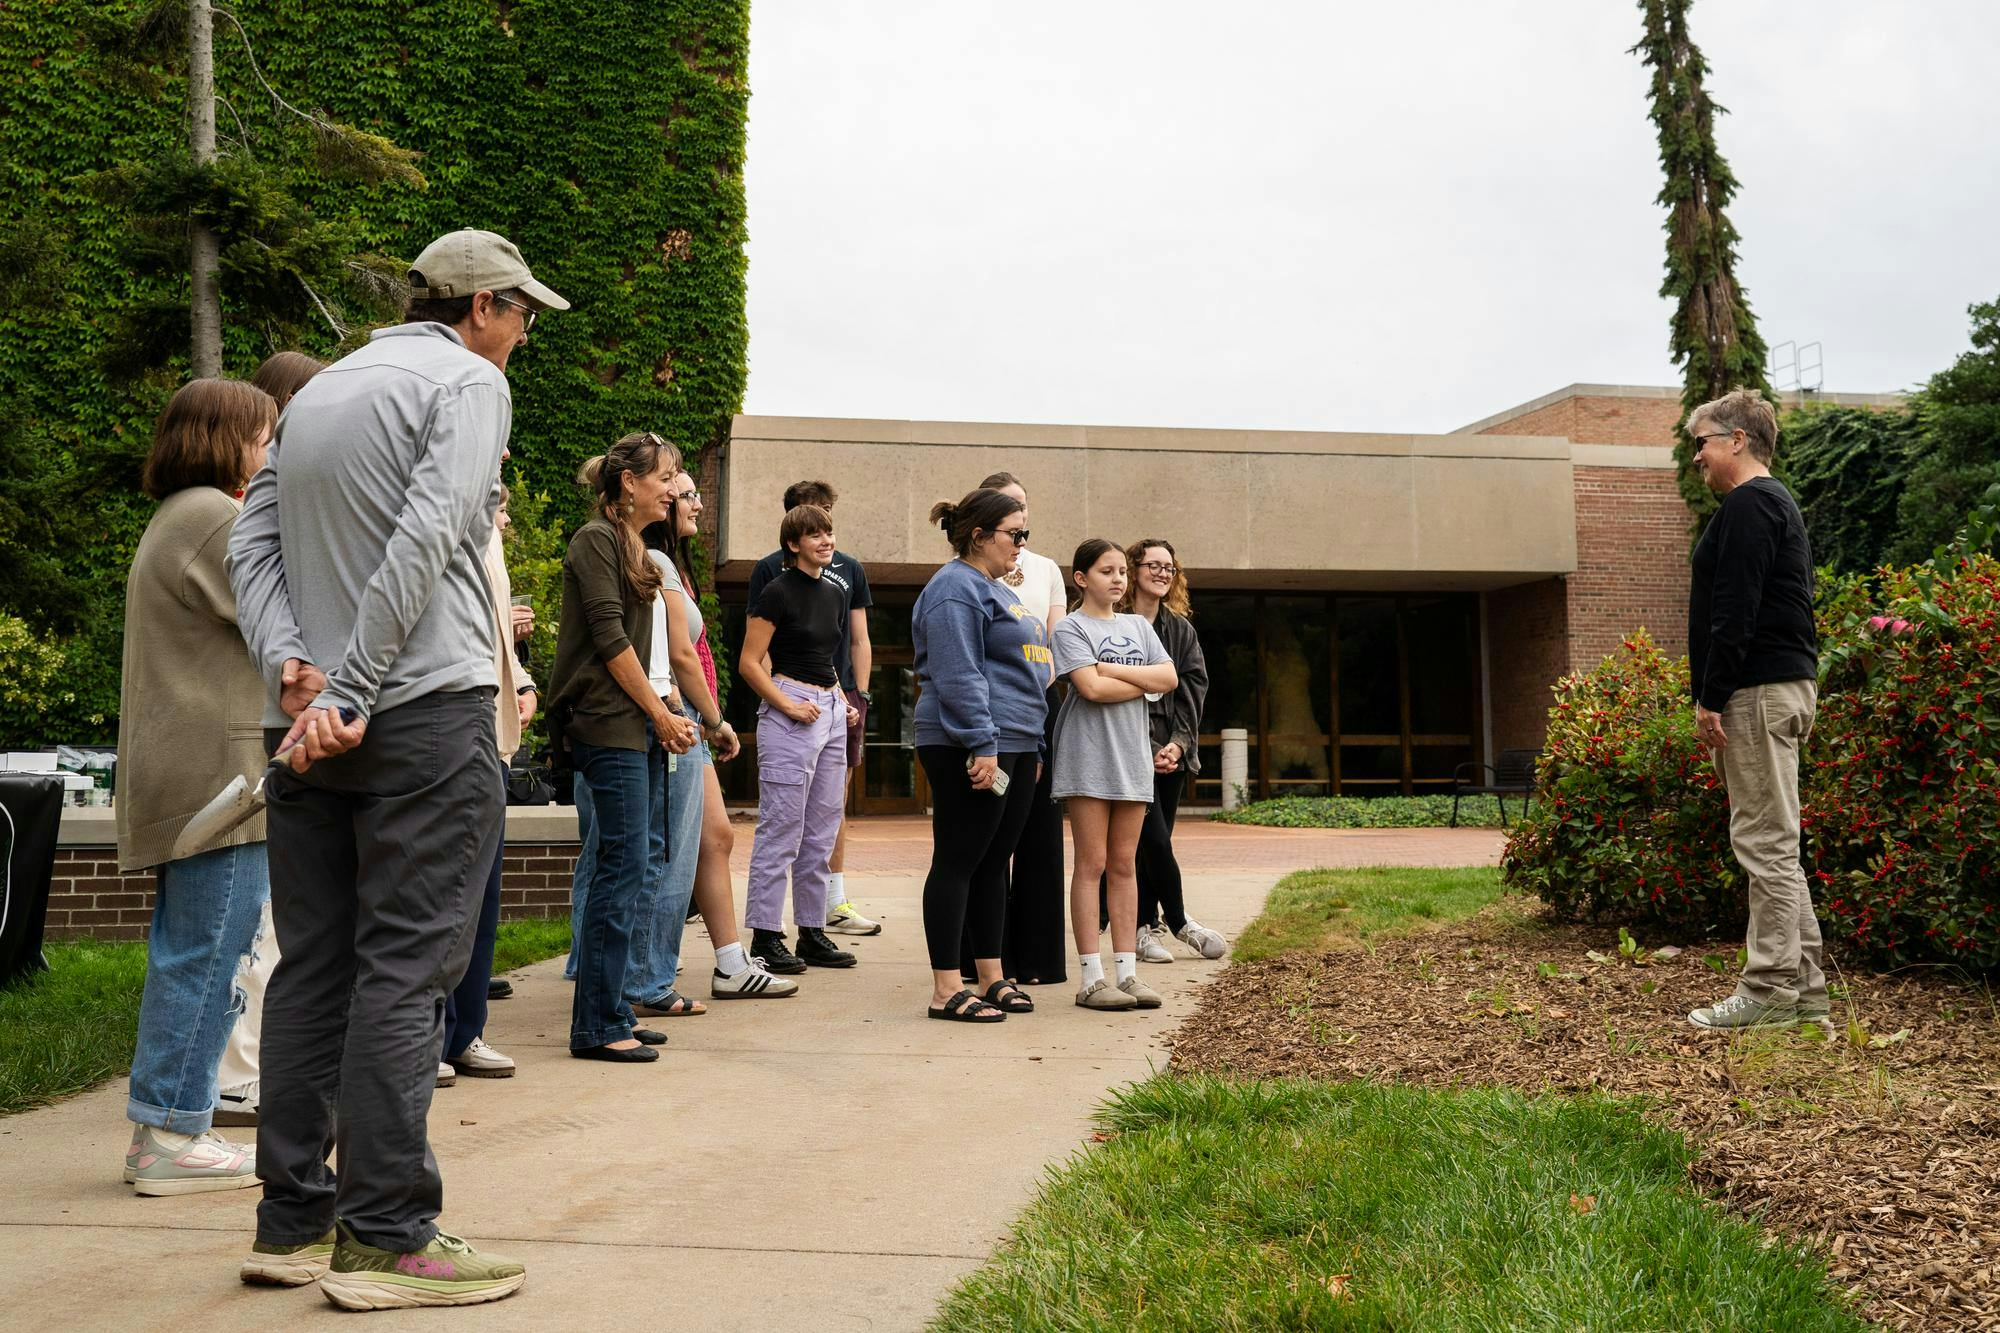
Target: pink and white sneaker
{"x":163,"y":1162}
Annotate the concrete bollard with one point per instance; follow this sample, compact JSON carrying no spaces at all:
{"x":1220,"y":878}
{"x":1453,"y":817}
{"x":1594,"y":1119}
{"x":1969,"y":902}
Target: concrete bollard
{"x":1235,"y":766}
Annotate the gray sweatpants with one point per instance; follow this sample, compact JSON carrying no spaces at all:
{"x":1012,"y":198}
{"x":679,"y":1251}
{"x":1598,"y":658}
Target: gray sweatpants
{"x":382,"y":854}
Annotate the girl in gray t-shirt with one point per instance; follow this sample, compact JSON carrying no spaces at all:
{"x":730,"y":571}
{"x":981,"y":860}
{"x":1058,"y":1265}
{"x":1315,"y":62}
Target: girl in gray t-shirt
{"x":1104,"y":765}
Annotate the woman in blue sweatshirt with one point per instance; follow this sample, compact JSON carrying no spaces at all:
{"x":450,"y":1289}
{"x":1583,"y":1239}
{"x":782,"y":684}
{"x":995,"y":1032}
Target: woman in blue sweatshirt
{"x":983,"y":669}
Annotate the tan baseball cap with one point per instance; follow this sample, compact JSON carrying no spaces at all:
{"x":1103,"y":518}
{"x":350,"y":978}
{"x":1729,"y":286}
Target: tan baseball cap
{"x":463,"y":262}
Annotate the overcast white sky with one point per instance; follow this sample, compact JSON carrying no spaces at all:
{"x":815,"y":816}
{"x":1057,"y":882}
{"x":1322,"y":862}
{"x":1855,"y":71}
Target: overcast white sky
{"x":1334,"y":216}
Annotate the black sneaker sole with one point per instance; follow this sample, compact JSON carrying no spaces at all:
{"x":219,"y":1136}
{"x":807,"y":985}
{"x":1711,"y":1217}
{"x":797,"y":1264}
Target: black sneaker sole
{"x":784,"y":969}
{"x":849,"y":961}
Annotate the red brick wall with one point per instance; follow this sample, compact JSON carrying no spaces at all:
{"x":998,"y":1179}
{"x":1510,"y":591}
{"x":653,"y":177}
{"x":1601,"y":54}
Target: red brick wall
{"x":1631,"y":562}
{"x":1527,"y":641}
{"x":88,"y":895}
{"x":1595,"y":420}
{"x":1558,"y":418}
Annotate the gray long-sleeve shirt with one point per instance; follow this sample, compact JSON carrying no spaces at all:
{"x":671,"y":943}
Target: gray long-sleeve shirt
{"x":361,"y":542}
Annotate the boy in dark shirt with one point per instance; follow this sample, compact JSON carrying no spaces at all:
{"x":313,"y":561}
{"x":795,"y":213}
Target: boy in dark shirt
{"x":789,"y":647}
{"x":854,"y":660}
{"x":1753,"y":660}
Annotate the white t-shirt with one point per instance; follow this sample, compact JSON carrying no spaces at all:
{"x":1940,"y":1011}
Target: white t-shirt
{"x":660,"y":668}
{"x":1041,"y":587}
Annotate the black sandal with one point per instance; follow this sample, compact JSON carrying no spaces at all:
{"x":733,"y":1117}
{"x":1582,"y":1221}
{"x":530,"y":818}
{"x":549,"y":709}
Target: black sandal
{"x":1015,"y":1003}
{"x":671,"y":1005}
{"x":965,"y":1007}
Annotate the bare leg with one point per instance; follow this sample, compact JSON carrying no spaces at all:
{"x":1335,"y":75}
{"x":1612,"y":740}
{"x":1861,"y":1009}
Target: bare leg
{"x":1089,"y":824}
{"x":1121,"y":879}
{"x":713,"y":896}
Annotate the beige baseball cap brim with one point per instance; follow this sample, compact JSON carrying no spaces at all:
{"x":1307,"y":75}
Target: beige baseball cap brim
{"x":462,"y":262}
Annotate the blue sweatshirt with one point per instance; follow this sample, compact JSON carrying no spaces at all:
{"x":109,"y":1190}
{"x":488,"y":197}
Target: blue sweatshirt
{"x":983,"y":663}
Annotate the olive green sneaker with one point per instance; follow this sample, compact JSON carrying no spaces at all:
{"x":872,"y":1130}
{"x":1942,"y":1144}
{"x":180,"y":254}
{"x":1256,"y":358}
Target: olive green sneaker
{"x":287,"y":1265}
{"x":1740,"y":1011}
{"x":445,"y":1272}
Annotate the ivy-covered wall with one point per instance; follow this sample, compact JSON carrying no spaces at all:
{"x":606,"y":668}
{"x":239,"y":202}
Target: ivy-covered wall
{"x":604,"y":137}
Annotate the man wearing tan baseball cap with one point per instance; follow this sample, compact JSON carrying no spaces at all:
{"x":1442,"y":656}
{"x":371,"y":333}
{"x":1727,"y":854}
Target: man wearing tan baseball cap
{"x":358,"y":565}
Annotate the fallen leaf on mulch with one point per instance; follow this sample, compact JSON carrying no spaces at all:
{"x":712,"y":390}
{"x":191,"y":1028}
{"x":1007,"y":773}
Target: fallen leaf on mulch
{"x":1885,"y":1151}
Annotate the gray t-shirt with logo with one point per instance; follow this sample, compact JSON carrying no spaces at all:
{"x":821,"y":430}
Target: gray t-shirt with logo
{"x":1104,"y":750}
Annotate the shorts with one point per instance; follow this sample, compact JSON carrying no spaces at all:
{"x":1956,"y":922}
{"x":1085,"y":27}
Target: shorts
{"x":855,"y":732}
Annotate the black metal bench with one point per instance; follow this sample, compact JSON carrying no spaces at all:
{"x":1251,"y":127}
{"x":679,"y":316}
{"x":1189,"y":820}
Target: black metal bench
{"x":1514,"y":775}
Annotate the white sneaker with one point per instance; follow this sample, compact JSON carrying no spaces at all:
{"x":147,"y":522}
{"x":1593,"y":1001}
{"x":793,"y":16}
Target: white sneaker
{"x":237,"y":1106}
{"x":446,"y":1075}
{"x":1206,"y":942}
{"x":1152,"y":948}
{"x":481,"y":1061}
{"x":160,"y":1162}
{"x":845,"y":920}
{"x":752,"y":983}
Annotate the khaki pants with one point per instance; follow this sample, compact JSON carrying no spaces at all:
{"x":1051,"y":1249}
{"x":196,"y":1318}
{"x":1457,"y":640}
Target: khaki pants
{"x":1766,"y":726}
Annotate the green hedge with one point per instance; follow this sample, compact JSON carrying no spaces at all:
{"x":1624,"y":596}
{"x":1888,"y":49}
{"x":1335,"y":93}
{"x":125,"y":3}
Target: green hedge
{"x":1370,"y":812}
{"x":605,"y":137}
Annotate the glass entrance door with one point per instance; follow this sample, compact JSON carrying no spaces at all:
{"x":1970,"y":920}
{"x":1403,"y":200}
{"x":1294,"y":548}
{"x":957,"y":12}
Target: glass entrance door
{"x":891,"y":781}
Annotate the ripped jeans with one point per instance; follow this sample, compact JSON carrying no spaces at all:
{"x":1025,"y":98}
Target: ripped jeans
{"x":204,"y":921}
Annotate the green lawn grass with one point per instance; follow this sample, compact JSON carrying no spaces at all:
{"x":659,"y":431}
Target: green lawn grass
{"x":1295,"y":1204}
{"x":1320,"y":909}
{"x":74,"y":1026}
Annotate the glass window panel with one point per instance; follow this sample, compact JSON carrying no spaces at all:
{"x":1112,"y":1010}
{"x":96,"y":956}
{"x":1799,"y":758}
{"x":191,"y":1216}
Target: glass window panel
{"x":1298,"y":679}
{"x":1444,"y":675}
{"x":1370,"y":691}
{"x":1227,"y":628}
{"x":1436,"y":763}
{"x":1370,"y":765}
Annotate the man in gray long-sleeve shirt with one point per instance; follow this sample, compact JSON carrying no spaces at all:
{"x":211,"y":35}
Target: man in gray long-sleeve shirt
{"x":358,"y":567}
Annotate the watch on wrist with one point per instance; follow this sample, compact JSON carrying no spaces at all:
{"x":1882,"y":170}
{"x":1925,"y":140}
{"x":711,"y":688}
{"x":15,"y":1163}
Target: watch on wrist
{"x":525,"y":689}
{"x":867,"y":697}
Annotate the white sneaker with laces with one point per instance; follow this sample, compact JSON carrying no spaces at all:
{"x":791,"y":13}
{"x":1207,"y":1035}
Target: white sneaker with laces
{"x":446,"y":1075}
{"x":1152,"y":948}
{"x":160,"y":1162}
{"x":845,"y":920}
{"x":752,"y":983}
{"x":1206,"y":942}
{"x":237,"y":1107}
{"x":481,"y":1061}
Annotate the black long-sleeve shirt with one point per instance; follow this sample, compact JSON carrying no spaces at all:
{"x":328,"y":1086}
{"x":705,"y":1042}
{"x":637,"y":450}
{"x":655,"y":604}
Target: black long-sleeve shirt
{"x":1750,"y":609}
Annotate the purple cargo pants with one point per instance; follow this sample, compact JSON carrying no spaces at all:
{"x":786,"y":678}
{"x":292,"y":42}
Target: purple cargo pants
{"x":801,"y":783}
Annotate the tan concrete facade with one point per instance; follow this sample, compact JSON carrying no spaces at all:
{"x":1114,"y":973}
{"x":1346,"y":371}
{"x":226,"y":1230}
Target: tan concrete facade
{"x":1264,"y":509}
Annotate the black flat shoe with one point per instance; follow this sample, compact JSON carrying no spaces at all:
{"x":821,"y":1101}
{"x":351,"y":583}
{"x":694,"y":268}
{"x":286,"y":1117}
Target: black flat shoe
{"x":499,"y":988}
{"x":631,"y":1055}
{"x":649,"y":1037}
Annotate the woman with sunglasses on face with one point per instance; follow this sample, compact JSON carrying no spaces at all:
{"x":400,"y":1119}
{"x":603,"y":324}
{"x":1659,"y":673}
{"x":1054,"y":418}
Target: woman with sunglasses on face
{"x":983,"y":674}
{"x":1104,"y":764}
{"x":1159,"y":595}
{"x":616,"y":723}
{"x":1034,"y":951}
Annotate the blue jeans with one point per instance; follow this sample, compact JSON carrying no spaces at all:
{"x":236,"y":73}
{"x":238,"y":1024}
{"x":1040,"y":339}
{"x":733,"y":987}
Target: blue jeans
{"x":204,"y":921}
{"x":672,"y":849}
{"x":626,"y":786}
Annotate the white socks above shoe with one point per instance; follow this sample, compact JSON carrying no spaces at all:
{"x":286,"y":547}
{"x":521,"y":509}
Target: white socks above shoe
{"x":836,"y":889}
{"x":1127,"y":965}
{"x":1093,"y":968}
{"x":730,"y":959}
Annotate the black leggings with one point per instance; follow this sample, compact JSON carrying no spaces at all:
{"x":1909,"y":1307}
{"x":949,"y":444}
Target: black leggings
{"x":1159,"y":872}
{"x":972,"y":838}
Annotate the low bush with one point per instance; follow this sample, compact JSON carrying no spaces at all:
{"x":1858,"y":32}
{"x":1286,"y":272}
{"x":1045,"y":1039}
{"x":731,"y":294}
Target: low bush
{"x":35,"y":684}
{"x":1900,"y":781}
{"x":1368,"y":812}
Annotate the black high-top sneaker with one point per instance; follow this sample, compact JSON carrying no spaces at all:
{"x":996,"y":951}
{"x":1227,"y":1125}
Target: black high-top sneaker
{"x":817,"y":949}
{"x":768,"y":948}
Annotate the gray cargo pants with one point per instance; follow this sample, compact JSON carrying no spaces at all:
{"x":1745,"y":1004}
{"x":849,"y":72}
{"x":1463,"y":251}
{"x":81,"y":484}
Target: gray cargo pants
{"x":378,"y":861}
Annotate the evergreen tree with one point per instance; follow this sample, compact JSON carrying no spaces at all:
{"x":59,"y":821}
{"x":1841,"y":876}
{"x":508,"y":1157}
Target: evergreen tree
{"x":1958,"y":456}
{"x":1714,"y":340}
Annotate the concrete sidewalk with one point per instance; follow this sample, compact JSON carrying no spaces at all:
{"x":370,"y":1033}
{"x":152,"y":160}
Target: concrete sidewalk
{"x":834,"y":1160}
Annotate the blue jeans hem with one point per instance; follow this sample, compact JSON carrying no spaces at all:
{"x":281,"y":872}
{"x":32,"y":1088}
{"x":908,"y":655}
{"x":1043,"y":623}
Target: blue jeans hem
{"x":172,"y":1121}
{"x":583,"y":1041}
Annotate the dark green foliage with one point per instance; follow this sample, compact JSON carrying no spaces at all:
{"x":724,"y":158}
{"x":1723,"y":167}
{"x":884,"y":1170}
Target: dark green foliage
{"x":604,"y":137}
{"x":1959,"y":454}
{"x":1847,"y":467}
{"x":1714,"y":338}
{"x":1369,"y":812}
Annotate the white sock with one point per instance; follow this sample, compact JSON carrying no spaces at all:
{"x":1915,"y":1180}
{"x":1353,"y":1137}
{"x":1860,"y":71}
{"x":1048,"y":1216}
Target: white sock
{"x":729,"y":959}
{"x":836,"y":888}
{"x":1093,"y":969}
{"x":1127,"y":965}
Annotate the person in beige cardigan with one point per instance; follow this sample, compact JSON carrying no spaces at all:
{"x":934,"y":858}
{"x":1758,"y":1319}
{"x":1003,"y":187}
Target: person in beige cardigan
{"x":190,"y":719}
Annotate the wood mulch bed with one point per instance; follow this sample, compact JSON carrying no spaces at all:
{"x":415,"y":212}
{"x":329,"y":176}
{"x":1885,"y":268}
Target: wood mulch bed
{"x":1881,"y":1143}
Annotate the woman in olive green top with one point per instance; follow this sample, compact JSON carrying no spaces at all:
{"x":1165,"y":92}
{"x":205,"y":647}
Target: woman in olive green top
{"x":616,"y":724}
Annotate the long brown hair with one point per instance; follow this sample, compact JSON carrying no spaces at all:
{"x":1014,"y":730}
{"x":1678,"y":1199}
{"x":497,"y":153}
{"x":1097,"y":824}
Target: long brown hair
{"x":285,"y":373}
{"x":204,"y":436}
{"x":639,"y":454}
{"x":1176,"y":599}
